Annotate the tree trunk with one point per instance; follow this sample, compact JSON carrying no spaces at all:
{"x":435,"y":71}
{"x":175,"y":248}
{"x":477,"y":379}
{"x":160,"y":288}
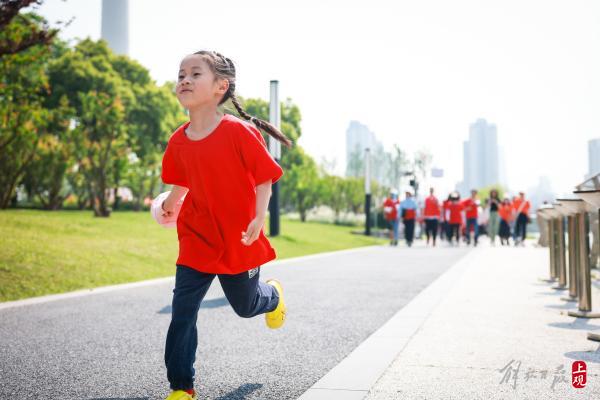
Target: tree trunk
{"x":117,"y":201}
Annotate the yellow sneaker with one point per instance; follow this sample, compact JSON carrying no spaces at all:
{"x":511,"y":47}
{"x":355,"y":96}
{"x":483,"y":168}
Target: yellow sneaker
{"x":276,"y":318}
{"x":181,"y":395}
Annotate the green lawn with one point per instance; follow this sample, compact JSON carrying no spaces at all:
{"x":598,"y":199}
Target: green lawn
{"x":45,"y":252}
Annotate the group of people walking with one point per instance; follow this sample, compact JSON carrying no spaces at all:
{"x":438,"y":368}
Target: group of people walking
{"x":456,"y":218}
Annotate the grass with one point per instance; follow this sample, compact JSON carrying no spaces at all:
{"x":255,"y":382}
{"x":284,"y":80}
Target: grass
{"x":45,"y":252}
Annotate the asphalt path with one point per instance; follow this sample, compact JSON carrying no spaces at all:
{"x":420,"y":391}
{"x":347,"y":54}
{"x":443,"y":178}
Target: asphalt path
{"x":110,"y":345}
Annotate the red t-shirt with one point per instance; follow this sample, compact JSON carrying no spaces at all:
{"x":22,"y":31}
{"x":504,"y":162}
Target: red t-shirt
{"x":409,"y":213}
{"x":393,"y":213}
{"x":455,"y":209}
{"x":446,"y":210}
{"x":505,"y":211}
{"x":221,"y":172}
{"x":432,"y":207}
{"x":523,"y":204}
{"x":470,"y":208}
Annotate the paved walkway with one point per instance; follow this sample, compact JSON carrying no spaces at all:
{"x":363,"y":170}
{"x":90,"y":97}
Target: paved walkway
{"x":378,"y":323}
{"x":109,"y":344}
{"x":499,"y":333}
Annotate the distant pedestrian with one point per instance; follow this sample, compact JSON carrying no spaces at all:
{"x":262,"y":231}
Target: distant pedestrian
{"x":446,"y":234}
{"x":493,"y":221}
{"x":431,"y":214}
{"x":455,"y":221}
{"x":390,"y":214}
{"x":483,"y":216}
{"x":521,"y":210}
{"x":505,"y":212}
{"x":471,"y":212}
{"x":408,"y":210}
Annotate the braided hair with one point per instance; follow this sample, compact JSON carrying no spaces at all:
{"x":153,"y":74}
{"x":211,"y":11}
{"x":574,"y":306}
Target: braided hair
{"x":223,"y":68}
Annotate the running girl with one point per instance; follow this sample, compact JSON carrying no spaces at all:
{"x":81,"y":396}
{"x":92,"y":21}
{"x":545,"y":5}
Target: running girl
{"x":224,"y":164}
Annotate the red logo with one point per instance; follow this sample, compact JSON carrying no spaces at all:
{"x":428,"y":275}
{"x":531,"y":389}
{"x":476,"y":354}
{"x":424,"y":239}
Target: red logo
{"x":579,"y":374}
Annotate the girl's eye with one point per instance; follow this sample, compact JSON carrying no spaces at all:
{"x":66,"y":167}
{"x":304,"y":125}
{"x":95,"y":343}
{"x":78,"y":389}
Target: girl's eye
{"x":180,"y":77}
{"x":197,"y":74}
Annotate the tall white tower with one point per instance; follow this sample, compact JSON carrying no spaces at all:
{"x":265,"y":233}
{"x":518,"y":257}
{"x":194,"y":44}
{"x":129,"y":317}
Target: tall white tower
{"x":115,"y":25}
{"x":594,"y":157}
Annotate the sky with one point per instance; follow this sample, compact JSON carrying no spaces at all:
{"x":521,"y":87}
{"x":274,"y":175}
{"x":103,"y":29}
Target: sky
{"x":417,"y":73}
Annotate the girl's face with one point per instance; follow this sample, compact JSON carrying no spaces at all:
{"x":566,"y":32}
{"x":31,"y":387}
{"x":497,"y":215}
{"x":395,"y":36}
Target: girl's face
{"x":197,"y":84}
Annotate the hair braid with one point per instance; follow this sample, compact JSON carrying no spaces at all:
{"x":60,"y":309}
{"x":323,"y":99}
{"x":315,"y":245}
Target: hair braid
{"x":261,"y":124}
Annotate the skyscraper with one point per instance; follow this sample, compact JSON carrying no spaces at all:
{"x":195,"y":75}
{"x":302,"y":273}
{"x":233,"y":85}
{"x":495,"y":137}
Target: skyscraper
{"x":115,"y":25}
{"x":481,"y":157}
{"x":593,"y":157}
{"x":358,"y":138}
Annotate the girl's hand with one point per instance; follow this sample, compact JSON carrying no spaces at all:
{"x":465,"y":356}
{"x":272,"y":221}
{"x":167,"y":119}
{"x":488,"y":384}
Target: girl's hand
{"x":168,"y":207}
{"x":252,"y":231}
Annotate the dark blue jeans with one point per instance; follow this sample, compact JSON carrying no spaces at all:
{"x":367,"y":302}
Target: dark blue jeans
{"x":246,"y":294}
{"x":409,"y":231}
{"x":472,"y":222}
{"x":521,"y":227}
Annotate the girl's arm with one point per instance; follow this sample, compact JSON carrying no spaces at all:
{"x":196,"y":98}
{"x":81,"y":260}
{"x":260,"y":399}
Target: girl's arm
{"x":176,"y":194}
{"x":263,"y":193}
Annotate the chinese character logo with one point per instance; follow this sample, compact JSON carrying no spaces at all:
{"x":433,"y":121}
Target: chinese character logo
{"x":578,"y":374}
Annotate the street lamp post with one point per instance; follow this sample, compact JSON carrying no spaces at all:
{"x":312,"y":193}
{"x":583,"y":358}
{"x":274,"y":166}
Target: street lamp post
{"x":275,"y":150}
{"x":367,"y":192}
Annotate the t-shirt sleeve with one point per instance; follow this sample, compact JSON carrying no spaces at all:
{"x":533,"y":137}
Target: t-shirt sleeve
{"x":172,"y":170}
{"x":256,"y":158}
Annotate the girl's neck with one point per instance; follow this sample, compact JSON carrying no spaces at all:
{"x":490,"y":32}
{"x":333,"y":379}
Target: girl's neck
{"x":203,"y":121}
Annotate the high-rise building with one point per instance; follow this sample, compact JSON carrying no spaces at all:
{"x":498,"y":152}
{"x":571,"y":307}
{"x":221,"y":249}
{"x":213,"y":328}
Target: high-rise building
{"x":359,"y":138}
{"x":594,"y":157}
{"x":481,"y":158}
{"x":115,"y":25}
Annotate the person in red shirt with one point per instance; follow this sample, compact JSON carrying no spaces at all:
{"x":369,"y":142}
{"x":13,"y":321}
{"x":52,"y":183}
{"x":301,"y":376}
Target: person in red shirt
{"x":223,"y":165}
{"x":470,"y":207}
{"x":431,"y":214}
{"x":505,"y":212}
{"x":521,"y":209}
{"x":390,"y":213}
{"x":455,"y":209}
{"x":445,"y":218}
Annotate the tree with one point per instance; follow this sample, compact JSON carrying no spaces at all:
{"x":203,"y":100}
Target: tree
{"x":22,"y":31}
{"x":356,"y":194}
{"x":23,"y":86}
{"x":302,"y":185}
{"x":100,"y":137}
{"x":399,"y":166}
{"x":335,"y":194}
{"x":89,"y":76}
{"x":45,"y":176}
{"x":422,"y":162}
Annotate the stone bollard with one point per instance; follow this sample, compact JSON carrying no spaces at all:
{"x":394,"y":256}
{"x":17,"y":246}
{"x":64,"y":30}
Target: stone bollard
{"x":560,"y":248}
{"x":584,"y":285}
{"x":546,"y":212}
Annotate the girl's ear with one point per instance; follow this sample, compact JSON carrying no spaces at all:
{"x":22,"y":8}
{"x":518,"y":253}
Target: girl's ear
{"x":223,"y":86}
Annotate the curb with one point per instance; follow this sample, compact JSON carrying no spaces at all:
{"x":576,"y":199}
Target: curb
{"x":354,"y":376}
